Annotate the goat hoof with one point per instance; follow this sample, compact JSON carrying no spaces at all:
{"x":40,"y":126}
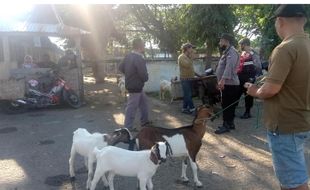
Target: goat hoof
{"x":199,"y":185}
{"x":72,"y":178}
{"x":185,"y":181}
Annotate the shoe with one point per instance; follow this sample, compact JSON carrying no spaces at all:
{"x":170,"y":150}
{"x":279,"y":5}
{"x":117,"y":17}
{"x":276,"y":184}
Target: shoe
{"x":192,"y":110}
{"x":186,"y":111}
{"x":134,"y":129}
{"x":246,"y":115}
{"x":231,"y":125}
{"x":147,"y":124}
{"x":221,"y":130}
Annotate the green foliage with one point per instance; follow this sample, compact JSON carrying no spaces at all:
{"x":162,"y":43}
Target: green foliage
{"x":169,"y":26}
{"x":162,"y":22}
{"x":207,"y":22}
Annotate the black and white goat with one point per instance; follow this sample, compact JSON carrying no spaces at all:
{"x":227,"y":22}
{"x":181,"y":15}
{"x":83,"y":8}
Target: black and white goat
{"x":84,"y":143}
{"x":141,"y":164}
{"x":185,"y":141}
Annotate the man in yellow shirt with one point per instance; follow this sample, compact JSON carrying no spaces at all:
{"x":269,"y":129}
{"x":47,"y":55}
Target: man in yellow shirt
{"x":286,"y":94}
{"x":187,"y":73}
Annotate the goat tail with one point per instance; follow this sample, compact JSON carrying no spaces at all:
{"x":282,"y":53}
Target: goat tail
{"x":96,"y":151}
{"x":137,"y":144}
{"x":132,"y":144}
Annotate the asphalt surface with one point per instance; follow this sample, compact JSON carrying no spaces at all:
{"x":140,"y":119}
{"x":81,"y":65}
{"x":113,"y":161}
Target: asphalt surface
{"x":35,"y":148}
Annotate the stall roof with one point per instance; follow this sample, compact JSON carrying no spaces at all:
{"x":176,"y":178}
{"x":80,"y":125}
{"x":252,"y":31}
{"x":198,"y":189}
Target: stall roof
{"x":60,"y":30}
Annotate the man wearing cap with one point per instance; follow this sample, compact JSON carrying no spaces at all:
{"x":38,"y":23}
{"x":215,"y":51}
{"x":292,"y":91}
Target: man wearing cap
{"x":187,"y":73}
{"x":228,"y":81}
{"x":249,"y":67}
{"x":286,"y":94}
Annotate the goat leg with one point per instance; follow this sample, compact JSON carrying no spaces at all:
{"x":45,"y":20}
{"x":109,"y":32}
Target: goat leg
{"x":110,"y":180}
{"x":86,"y":162}
{"x":149,"y":184}
{"x":194,"y":168}
{"x":142,"y":183}
{"x":184,"y":167}
{"x":90,"y":165}
{"x":105,"y":181}
{"x":71,"y":163}
{"x":96,"y":178}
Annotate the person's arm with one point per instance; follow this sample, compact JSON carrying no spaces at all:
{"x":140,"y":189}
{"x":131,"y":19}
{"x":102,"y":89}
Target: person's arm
{"x":231,"y":61}
{"x":141,"y":69}
{"x":183,"y":62}
{"x":198,"y":75}
{"x":257,"y":63}
{"x":281,"y":63}
{"x":267,"y":90}
{"x":121,"y":66}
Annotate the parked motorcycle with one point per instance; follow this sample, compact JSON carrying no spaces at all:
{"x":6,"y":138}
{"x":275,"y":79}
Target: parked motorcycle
{"x":60,"y":93}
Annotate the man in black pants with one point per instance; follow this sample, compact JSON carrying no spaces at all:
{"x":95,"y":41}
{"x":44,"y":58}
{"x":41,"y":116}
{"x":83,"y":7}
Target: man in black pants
{"x":228,"y":81}
{"x":250,"y":67}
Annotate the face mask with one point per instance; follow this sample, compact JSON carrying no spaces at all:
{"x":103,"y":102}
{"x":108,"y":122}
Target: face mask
{"x":222,"y":48}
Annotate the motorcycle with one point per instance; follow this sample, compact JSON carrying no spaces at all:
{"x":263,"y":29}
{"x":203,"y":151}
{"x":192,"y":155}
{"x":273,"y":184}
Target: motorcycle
{"x":59,"y":94}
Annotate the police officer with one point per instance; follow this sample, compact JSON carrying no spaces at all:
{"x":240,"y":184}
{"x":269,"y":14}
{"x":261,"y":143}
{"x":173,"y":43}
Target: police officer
{"x":228,"y":81}
{"x":250,"y":66}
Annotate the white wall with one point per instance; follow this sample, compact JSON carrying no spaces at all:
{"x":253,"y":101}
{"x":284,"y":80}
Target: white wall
{"x":5,"y":68}
{"x":159,"y":70}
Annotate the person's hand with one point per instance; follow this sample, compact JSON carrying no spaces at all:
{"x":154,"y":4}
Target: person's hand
{"x":252,"y":89}
{"x":221,"y":84}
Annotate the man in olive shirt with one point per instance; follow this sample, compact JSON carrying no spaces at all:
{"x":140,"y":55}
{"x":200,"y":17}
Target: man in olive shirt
{"x":187,"y":73}
{"x":286,"y":94}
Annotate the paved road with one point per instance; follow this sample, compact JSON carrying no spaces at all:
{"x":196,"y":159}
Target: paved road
{"x":35,"y":147}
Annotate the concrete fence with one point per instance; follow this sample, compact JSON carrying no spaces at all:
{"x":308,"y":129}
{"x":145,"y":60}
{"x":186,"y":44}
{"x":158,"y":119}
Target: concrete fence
{"x":158,"y":70}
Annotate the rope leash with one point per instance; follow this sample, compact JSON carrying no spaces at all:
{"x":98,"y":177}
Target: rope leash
{"x":257,"y":125}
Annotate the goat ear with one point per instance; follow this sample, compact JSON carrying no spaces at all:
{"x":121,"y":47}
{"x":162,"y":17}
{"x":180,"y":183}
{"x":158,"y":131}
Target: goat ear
{"x":168,"y":150}
{"x":214,"y":116}
{"x":157,"y":146}
{"x":105,"y":138}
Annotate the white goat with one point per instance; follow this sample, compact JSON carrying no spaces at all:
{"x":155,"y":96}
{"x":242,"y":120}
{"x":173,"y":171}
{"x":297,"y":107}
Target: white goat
{"x":84,"y":144}
{"x":141,"y":164}
{"x":184,"y":141}
{"x":165,"y":86}
{"x":121,"y":85}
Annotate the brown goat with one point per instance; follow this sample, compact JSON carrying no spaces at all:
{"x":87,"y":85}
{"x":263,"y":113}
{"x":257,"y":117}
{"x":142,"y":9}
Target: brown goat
{"x":184,"y":141}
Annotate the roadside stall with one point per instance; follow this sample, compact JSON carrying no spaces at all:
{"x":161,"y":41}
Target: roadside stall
{"x":20,"y":39}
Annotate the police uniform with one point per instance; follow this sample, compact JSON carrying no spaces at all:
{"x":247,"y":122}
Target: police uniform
{"x":227,"y":70}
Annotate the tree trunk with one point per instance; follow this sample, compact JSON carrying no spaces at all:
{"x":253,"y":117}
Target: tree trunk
{"x":209,"y":57}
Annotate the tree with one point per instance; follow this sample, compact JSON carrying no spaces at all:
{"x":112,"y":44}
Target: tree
{"x":160,"y":21}
{"x":255,"y":20}
{"x":205,"y":23}
{"x":98,"y":19}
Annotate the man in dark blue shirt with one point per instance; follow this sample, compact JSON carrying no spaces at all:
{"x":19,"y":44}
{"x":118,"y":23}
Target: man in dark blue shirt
{"x":134,"y":69}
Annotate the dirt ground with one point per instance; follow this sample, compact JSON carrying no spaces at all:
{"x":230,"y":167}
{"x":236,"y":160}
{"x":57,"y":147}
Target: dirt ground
{"x":35,"y":147}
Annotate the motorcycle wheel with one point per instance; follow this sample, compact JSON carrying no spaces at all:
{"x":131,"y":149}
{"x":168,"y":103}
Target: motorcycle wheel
{"x":72,"y":99}
{"x":13,"y":107}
